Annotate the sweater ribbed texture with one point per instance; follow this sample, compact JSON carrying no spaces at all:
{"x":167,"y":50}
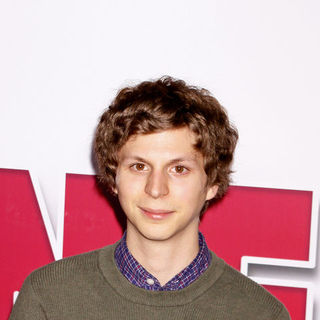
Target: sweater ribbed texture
{"x":90,"y":286}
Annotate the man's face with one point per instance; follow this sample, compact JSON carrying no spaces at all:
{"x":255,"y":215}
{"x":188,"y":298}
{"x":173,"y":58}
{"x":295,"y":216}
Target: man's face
{"x":161,"y":184}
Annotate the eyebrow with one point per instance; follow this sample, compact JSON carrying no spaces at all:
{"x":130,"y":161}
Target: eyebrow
{"x":172,"y":161}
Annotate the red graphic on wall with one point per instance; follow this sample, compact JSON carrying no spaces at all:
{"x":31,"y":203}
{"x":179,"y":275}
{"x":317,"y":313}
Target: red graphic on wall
{"x":23,"y":238}
{"x":248,"y":221}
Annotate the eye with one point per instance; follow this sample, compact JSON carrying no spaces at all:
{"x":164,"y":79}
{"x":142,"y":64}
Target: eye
{"x":139,"y":167}
{"x":180,"y":169}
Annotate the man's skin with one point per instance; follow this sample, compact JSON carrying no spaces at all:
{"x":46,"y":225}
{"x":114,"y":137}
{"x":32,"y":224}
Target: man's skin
{"x":162,"y":187}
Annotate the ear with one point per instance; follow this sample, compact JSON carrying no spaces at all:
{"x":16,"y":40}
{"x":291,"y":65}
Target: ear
{"x":114,"y":189}
{"x":211,"y":192}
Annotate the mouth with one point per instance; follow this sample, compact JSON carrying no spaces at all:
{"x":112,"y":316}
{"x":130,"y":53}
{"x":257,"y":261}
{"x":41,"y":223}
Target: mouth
{"x":156,"y":214}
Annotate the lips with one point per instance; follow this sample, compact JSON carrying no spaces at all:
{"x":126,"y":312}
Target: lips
{"x":156,"y":214}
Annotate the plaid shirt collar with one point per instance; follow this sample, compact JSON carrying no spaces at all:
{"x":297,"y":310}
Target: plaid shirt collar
{"x":140,"y":277}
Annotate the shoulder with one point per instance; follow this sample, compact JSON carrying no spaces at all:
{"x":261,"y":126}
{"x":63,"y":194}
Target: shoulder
{"x":60,"y":283}
{"x":246,"y":296}
{"x":249,"y":288}
{"x":79,"y":268}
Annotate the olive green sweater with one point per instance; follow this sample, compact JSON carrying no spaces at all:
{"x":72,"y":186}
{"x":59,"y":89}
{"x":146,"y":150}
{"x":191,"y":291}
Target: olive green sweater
{"x":89,"y":286}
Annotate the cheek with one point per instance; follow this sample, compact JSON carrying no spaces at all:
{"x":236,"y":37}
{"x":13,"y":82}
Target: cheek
{"x":128,"y":185}
{"x":191,"y":191}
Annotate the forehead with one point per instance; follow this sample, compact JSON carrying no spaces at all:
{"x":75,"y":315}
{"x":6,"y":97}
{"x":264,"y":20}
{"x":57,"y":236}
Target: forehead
{"x":166,"y":144}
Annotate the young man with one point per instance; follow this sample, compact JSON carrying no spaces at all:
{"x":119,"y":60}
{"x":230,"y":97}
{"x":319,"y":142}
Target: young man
{"x":165,"y":150}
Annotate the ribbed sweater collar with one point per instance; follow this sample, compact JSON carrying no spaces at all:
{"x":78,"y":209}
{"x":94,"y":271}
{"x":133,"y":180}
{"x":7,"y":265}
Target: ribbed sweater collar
{"x":132,"y":293}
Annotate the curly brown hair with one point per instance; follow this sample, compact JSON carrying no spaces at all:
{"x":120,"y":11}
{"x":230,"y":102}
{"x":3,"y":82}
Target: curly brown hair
{"x":163,"y":104}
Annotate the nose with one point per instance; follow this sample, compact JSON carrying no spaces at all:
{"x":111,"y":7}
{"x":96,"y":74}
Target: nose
{"x":157,"y":185}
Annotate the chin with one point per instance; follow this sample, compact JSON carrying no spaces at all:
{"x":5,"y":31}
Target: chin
{"x":156,"y":234}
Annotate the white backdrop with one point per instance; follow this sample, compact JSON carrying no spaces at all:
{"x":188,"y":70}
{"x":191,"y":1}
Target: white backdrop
{"x":62,"y":62}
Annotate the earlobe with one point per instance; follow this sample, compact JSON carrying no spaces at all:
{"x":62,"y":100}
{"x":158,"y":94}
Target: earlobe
{"x":211,"y":192}
{"x":114,"y":190}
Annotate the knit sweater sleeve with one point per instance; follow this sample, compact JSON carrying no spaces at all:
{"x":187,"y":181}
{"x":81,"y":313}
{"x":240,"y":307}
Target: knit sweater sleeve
{"x":284,"y":315}
{"x":27,"y":305}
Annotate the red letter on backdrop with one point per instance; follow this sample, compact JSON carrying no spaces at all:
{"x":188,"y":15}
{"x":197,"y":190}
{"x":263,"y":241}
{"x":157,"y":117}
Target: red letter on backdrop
{"x":23,"y":237}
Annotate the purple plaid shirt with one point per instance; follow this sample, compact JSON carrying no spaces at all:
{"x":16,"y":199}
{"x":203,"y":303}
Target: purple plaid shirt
{"x":140,"y":277}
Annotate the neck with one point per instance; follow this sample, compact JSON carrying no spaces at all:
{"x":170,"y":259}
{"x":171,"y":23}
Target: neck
{"x":163,"y":258}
